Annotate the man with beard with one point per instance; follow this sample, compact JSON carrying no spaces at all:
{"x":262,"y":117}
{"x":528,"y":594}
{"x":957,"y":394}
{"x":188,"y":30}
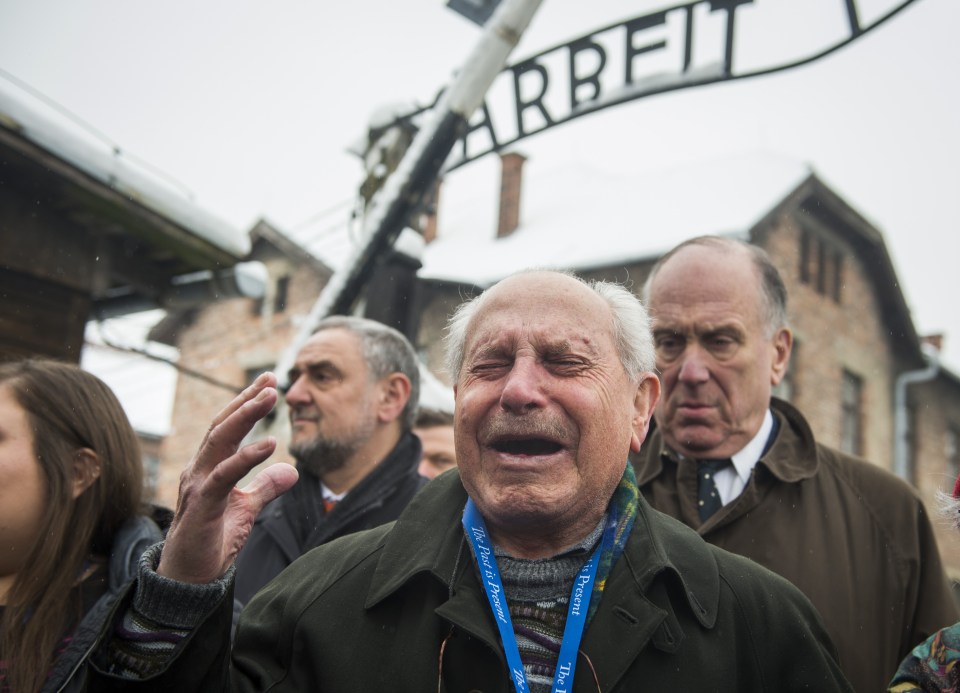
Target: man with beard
{"x":352,"y":399}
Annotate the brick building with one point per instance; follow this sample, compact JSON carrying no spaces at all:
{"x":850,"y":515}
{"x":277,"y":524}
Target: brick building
{"x":854,"y":333}
{"x":225,"y":345}
{"x":88,"y":233}
{"x":853,"y":330}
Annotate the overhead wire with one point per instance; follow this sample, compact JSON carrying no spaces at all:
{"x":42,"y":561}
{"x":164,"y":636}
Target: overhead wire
{"x":161,"y":359}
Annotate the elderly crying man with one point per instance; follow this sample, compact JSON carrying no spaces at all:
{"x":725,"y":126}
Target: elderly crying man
{"x":537,"y":567}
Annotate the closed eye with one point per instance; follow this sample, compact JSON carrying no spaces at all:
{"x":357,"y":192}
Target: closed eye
{"x":566,"y":365}
{"x":488,"y":367}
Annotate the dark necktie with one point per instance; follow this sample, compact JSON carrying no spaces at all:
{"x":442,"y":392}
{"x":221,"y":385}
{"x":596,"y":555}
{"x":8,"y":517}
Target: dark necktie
{"x":708,"y":497}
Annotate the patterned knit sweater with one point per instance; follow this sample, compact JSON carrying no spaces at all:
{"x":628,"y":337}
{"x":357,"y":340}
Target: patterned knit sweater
{"x":538,"y":592}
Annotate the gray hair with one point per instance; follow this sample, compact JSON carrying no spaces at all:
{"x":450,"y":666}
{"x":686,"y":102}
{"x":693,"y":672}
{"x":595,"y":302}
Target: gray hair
{"x":773,"y":292}
{"x":630,"y":322}
{"x":386,"y":351}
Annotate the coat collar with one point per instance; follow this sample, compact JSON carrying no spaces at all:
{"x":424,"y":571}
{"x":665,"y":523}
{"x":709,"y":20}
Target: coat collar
{"x":428,"y":538}
{"x":282,"y":520}
{"x":792,"y":458}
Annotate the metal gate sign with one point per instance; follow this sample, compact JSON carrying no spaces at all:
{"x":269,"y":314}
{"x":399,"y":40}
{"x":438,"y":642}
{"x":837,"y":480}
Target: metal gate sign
{"x":680,"y":46}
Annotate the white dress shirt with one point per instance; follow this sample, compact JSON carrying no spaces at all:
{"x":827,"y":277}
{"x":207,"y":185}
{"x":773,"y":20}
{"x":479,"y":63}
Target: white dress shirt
{"x":731,"y":480}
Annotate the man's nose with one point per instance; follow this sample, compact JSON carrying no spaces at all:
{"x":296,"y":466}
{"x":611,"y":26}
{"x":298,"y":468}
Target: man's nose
{"x":297,"y":392}
{"x":523,"y":387}
{"x":694,"y":369}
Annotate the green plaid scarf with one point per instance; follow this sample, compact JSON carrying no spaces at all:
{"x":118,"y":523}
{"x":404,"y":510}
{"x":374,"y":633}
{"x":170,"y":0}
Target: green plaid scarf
{"x":622,"y":511}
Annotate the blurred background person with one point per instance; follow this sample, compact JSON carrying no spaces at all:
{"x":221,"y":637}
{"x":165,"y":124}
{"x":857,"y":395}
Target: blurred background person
{"x":934,"y":664}
{"x":72,"y":523}
{"x":434,"y":428}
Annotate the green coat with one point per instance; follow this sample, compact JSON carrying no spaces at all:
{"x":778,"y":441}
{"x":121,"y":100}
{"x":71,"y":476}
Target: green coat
{"x":372,"y":612}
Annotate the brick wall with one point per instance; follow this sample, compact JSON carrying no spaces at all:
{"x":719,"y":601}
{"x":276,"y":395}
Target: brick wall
{"x":225,"y":341}
{"x":833,"y":337}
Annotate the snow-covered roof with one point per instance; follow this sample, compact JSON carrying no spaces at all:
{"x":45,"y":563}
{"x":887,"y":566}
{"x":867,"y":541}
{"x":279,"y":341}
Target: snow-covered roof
{"x":578,"y":218}
{"x":68,"y":139}
{"x":144,"y":386}
{"x":433,"y":393}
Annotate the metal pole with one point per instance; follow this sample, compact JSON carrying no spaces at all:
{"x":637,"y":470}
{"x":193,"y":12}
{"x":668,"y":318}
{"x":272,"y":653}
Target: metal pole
{"x":406,"y":189}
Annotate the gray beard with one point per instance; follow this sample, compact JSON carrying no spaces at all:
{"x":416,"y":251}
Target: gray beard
{"x":320,"y":456}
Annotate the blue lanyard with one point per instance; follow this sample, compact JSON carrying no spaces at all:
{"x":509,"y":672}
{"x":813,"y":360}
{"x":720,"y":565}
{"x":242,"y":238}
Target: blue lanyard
{"x":576,"y":612}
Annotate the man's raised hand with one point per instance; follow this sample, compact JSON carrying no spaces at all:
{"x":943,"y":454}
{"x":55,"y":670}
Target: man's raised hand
{"x":214,"y":517}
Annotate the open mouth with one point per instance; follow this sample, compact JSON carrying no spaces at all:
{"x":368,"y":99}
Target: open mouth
{"x":527,"y":446}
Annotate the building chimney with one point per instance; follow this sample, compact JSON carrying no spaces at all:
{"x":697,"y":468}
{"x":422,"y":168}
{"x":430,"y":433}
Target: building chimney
{"x":428,"y":220}
{"x":511,"y":176}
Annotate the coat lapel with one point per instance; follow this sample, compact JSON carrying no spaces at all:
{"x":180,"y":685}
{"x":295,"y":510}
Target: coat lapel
{"x":635,"y":611}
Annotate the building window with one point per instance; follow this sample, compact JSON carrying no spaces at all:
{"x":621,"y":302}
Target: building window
{"x":278,"y":300}
{"x":821,"y":265}
{"x":851,"y":413}
{"x":823,"y":272}
{"x":837,"y":276}
{"x":806,"y":240}
{"x":280,"y":294}
{"x":251,"y":374}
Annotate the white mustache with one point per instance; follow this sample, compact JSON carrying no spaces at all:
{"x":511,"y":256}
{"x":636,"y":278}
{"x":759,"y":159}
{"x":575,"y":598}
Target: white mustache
{"x":509,"y":426}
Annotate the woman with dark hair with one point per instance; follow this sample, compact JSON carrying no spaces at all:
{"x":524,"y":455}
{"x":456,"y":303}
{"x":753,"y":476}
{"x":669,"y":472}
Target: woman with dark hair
{"x":72,"y":524}
{"x":933,"y":666}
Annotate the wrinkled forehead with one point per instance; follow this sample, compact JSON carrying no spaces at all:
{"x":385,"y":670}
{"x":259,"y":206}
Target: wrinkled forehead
{"x":332,"y":345}
{"x":555,"y":314}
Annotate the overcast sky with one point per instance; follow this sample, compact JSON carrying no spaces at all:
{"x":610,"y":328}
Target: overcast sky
{"x":251,"y":106}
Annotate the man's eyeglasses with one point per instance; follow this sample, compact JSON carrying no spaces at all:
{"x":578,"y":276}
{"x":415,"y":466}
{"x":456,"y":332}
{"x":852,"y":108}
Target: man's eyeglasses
{"x":443,"y":647}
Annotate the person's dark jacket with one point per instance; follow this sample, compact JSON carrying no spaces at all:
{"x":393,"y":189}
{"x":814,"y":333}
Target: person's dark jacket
{"x":294,"y":523}
{"x":400,"y":608}
{"x":69,"y":670}
{"x":854,"y":538}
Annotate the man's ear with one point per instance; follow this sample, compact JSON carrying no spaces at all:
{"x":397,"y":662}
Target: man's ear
{"x":86,"y":470}
{"x":394,"y":393}
{"x":644,"y":402}
{"x":782,"y":347}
